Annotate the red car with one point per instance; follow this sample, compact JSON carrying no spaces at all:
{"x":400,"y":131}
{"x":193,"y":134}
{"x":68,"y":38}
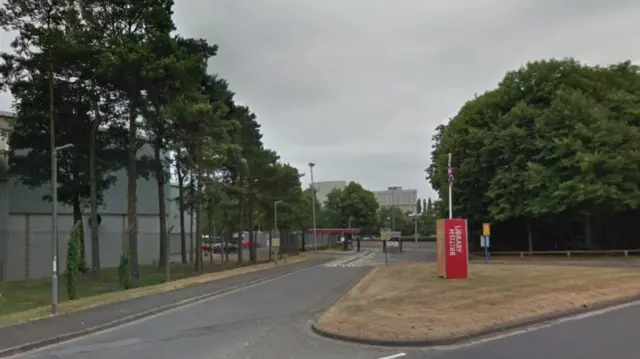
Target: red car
{"x":245,"y":244}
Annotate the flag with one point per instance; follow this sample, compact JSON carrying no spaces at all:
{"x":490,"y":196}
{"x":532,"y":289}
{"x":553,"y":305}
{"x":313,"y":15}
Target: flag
{"x":450,"y":172}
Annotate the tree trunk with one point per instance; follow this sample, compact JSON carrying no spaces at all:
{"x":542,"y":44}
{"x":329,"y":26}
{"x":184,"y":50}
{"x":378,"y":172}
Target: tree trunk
{"x":191,"y":216}
{"x":77,"y":219}
{"x":252,"y":239}
{"x":223,"y":240}
{"x":93,"y":201}
{"x":588,"y":233}
{"x":198,"y":203}
{"x":162,"y":205}
{"x":241,"y":230}
{"x":181,"y":209}
{"x":529,"y":235}
{"x":132,"y":187}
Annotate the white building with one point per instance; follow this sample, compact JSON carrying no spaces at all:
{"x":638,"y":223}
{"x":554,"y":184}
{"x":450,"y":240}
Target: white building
{"x":404,"y":199}
{"x":324,"y":188}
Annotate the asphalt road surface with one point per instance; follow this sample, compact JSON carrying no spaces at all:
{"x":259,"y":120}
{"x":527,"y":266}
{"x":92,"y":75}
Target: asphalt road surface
{"x":271,"y":320}
{"x":268,"y":320}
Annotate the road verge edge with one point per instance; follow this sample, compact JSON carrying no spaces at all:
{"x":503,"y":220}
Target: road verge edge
{"x":479,"y":334}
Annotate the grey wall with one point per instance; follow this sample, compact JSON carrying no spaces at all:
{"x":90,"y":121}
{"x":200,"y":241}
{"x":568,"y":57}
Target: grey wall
{"x":25,"y":200}
{"x":26,"y":237}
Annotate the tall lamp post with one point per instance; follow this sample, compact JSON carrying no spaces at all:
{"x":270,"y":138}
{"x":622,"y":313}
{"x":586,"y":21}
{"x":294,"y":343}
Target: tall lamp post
{"x":275,"y":224}
{"x":313,"y":208}
{"x":54,"y":224}
{"x":415,"y":226}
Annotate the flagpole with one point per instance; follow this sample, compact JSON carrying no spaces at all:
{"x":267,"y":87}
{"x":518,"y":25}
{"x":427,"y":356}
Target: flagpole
{"x":450,"y":193}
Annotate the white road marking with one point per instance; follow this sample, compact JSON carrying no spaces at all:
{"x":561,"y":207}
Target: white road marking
{"x":394,"y":356}
{"x":534,"y":328}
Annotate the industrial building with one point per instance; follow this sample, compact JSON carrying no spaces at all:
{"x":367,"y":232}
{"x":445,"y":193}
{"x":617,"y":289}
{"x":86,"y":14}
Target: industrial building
{"x":324,"y":188}
{"x":25,"y":222}
{"x":396,"y":196}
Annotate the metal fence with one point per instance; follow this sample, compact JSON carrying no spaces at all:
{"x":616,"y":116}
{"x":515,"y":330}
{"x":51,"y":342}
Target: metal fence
{"x":28,"y":254}
{"x":568,"y":254}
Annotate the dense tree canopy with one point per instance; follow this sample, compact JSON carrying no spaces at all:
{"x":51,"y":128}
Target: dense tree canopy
{"x":113,"y":77}
{"x":551,"y":156}
{"x":351,"y":204}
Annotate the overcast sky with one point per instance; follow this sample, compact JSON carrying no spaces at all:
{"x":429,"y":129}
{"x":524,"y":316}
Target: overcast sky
{"x":357,"y":86}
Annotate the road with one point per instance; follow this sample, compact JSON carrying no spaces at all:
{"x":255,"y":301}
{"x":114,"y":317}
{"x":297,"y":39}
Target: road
{"x":271,"y":320}
{"x":268,"y":320}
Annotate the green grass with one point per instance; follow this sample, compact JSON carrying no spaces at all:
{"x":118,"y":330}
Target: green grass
{"x":29,"y":294}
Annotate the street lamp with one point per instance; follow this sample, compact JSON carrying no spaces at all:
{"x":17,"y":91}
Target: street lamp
{"x":54,"y":224}
{"x":23,"y":152}
{"x":313,"y":207}
{"x":275,"y":228}
{"x":415,"y":228}
{"x":275,"y":215}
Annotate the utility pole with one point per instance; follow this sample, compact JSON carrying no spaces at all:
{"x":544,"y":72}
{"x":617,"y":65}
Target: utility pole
{"x":54,"y":217}
{"x":313,"y":208}
{"x":275,"y":224}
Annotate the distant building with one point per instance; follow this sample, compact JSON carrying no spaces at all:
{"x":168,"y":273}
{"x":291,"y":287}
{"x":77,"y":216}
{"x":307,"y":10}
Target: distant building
{"x":4,"y":126}
{"x":404,"y":199}
{"x":323,"y":189}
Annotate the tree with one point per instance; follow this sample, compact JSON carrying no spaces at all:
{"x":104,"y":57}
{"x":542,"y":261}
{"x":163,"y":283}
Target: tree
{"x":556,"y":143}
{"x":48,"y":70}
{"x":180,"y":67}
{"x":419,"y":206}
{"x":353,"y":202}
{"x":133,"y":31}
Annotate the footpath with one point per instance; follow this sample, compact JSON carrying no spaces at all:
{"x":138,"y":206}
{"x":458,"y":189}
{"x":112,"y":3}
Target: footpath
{"x":50,"y":330}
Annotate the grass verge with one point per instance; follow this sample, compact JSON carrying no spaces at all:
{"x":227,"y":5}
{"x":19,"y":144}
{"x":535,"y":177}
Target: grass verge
{"x":30,"y":299}
{"x":408,"y":301}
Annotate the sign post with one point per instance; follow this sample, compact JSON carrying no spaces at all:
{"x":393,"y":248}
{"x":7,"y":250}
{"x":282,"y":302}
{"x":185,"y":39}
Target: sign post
{"x":484,"y":240}
{"x":384,"y":236}
{"x":453,"y":249}
{"x":485,"y":243}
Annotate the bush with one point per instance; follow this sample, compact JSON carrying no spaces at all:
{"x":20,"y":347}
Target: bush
{"x":74,"y":261}
{"x":124,"y":271}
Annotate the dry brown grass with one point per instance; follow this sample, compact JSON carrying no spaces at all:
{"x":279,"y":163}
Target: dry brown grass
{"x":112,"y":297}
{"x":408,"y":301}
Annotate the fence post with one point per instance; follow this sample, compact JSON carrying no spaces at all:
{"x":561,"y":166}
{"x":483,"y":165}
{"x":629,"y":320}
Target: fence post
{"x":568,"y":255}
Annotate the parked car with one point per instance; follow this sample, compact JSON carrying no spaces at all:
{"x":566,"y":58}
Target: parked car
{"x":245,"y":244}
{"x":230,"y":248}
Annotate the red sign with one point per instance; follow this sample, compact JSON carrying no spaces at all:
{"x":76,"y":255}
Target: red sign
{"x":456,"y":250}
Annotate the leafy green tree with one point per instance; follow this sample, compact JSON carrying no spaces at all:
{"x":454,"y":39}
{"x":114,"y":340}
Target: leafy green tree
{"x":182,"y":69}
{"x":419,"y":206}
{"x":353,"y":202}
{"x":553,"y":146}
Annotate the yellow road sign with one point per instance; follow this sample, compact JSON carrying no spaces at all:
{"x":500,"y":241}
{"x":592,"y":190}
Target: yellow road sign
{"x":486,"y":229}
{"x":275,"y":242}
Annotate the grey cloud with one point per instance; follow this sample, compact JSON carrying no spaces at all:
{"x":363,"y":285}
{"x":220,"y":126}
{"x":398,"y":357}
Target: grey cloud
{"x":358,"y":86}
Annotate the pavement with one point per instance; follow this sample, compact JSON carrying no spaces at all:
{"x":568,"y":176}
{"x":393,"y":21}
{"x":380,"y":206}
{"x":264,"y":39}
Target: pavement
{"x":271,"y":319}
